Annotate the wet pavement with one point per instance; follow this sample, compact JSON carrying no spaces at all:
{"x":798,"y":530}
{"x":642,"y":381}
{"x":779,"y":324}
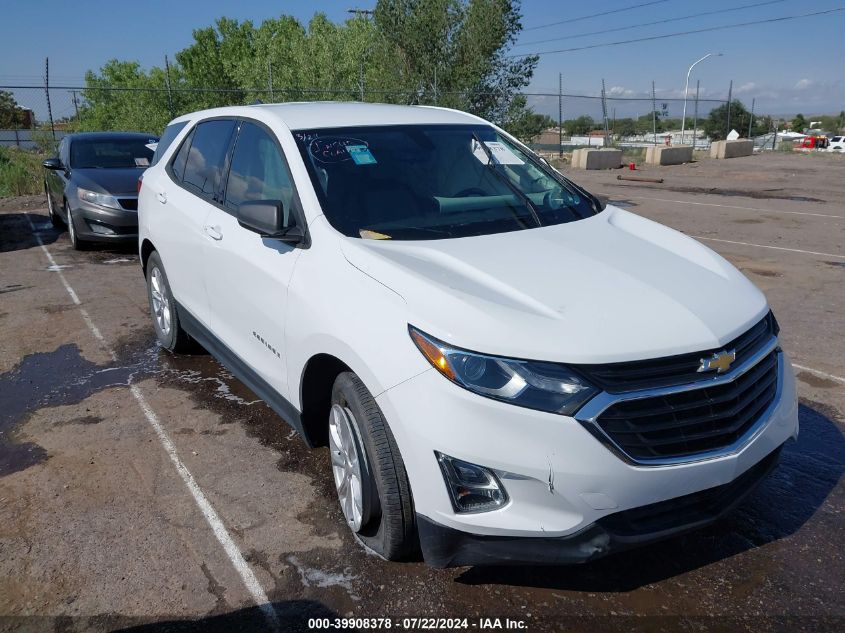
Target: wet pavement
{"x":99,"y":532}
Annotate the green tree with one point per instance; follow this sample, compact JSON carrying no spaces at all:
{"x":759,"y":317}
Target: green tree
{"x":579,"y":126}
{"x":716,"y":123}
{"x":11,"y":114}
{"x":525,"y":124}
{"x":799,"y":123}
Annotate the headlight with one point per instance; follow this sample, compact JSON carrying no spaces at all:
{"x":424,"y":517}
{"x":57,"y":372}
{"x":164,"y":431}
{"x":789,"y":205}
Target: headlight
{"x":102,"y":199}
{"x":537,"y":385}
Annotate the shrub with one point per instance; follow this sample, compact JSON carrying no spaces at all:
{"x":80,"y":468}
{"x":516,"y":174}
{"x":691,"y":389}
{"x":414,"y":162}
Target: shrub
{"x":20,"y":172}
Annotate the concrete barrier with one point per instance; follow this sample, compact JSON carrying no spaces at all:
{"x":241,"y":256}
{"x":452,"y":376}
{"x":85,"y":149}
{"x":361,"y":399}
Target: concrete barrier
{"x":664,"y":155}
{"x":586,"y":158}
{"x":731,"y":149}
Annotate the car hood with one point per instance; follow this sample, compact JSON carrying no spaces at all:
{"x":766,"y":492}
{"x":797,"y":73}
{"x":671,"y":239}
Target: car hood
{"x":609,"y":288}
{"x":111,"y":181}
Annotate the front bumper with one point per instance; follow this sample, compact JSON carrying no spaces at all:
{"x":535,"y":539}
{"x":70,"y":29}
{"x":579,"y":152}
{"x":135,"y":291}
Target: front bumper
{"x":118,"y":225}
{"x":564,"y":484}
{"x":447,"y":547}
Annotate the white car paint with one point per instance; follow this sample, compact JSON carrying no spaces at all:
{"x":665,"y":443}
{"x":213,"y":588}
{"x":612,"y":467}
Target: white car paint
{"x":614,"y":287}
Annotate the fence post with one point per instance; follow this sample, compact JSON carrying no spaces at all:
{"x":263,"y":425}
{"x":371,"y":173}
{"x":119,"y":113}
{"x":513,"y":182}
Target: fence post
{"x":47,"y":91}
{"x":695,"y":114}
{"x":730,"y":97}
{"x":751,"y":120}
{"x":167,"y":79}
{"x":560,"y":115}
{"x":654,"y":112}
{"x":604,"y":114}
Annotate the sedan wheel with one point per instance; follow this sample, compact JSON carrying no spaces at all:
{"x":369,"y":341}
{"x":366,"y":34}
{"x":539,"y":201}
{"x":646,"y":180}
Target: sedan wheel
{"x":54,"y":217}
{"x":71,"y":229}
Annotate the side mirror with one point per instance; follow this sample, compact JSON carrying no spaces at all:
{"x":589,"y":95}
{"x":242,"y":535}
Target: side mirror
{"x":53,"y":164}
{"x":267,"y":218}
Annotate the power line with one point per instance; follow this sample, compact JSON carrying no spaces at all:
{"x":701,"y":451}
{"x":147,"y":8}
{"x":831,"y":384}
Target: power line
{"x":641,"y":24}
{"x":691,"y":32}
{"x":595,"y":15}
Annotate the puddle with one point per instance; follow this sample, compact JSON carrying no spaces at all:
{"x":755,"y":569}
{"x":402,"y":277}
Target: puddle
{"x":763,"y":272}
{"x":311,"y":577}
{"x":817,"y":381}
{"x":836,"y":264}
{"x":622,"y":204}
{"x":759,"y":194}
{"x":13,"y":288}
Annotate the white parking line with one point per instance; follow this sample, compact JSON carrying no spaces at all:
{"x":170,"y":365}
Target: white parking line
{"x":730,"y":206}
{"x":777,"y":248}
{"x":225,"y":539}
{"x":818,"y":372}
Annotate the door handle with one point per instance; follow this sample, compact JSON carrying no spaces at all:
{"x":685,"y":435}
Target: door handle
{"x":162,"y":197}
{"x":213,"y":232}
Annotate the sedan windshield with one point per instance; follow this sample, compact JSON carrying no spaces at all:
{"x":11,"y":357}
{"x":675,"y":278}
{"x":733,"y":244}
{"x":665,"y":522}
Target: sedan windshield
{"x":120,"y":153}
{"x":423,"y":182}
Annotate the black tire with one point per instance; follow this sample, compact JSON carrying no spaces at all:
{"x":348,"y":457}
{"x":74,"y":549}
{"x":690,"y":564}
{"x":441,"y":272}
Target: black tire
{"x":77,"y":243}
{"x":54,"y":217}
{"x":391,"y":529}
{"x":175,"y":339}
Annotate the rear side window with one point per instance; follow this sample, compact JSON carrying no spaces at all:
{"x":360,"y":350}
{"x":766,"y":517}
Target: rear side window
{"x":204,"y":166}
{"x":181,"y":158}
{"x":166,"y":140}
{"x":258,"y":170}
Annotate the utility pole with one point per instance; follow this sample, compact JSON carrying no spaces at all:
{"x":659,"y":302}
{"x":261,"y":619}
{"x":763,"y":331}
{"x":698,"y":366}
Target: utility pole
{"x":751,"y":120}
{"x":730,"y":97}
{"x":270,"y":79}
{"x":435,"y":84}
{"x":47,"y":90}
{"x":654,"y":112}
{"x":560,"y":114}
{"x":695,"y":116}
{"x":167,"y":79}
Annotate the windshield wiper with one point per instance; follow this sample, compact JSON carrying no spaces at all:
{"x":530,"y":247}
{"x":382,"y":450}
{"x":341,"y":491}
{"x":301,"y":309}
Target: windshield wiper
{"x":492,"y":163}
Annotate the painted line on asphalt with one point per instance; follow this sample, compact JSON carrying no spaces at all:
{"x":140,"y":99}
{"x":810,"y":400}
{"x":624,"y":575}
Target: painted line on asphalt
{"x":212,"y":518}
{"x":730,"y":206}
{"x":777,"y":248}
{"x":818,"y":372}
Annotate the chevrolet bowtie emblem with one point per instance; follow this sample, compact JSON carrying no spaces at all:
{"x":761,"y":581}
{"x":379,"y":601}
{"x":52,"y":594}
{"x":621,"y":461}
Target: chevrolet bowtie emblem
{"x":719,"y":362}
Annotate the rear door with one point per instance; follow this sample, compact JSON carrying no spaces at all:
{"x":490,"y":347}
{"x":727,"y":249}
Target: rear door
{"x":247,"y":275}
{"x":191,"y":189}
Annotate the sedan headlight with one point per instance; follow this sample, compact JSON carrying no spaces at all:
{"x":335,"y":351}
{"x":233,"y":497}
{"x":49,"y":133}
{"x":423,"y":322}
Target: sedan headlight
{"x":102,"y":199}
{"x":544,"y":386}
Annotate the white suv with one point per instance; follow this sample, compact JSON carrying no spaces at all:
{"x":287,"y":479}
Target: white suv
{"x":502,"y":368}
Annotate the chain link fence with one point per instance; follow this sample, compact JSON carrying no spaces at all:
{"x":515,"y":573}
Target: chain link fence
{"x":587,"y":120}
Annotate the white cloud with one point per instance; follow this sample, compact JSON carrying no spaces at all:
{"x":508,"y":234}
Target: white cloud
{"x":803,"y":84}
{"x":620,"y":91}
{"x":747,"y":87}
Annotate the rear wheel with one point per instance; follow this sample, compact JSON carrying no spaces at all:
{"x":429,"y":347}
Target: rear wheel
{"x":369,"y":474}
{"x":168,"y":329}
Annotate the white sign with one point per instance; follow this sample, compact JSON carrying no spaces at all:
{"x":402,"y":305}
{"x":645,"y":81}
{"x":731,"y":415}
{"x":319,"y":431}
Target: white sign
{"x":501,"y":153}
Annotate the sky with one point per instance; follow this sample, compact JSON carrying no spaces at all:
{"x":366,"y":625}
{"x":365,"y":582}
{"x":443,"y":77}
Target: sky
{"x":787,"y":67}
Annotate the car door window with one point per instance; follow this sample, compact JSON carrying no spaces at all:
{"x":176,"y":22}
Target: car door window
{"x":258,"y":171}
{"x":204,"y":165}
{"x":167,"y":138}
{"x":177,"y":167}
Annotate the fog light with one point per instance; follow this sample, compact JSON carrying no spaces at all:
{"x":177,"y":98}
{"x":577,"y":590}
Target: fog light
{"x":99,"y":229}
{"x":472,"y":488}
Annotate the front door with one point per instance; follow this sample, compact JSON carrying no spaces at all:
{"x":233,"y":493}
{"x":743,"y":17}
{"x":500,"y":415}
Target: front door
{"x":247,"y":276}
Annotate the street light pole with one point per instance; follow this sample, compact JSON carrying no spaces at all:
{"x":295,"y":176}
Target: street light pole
{"x":686,"y":89}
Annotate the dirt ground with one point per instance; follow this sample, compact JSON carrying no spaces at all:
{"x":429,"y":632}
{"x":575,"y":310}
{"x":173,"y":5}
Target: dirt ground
{"x":100,"y":530}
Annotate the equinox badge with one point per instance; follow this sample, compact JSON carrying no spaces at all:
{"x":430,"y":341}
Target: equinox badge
{"x":720,"y":361}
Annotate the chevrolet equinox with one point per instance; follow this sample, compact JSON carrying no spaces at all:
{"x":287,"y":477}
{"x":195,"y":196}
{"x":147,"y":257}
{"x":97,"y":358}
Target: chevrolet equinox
{"x":503,"y":367}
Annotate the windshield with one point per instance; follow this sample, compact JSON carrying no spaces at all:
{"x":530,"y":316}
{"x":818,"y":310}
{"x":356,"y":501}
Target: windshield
{"x":121,"y":153}
{"x":423,"y":182}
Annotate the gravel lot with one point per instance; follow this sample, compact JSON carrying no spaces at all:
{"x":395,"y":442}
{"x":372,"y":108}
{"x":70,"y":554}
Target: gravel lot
{"x":99,"y":531}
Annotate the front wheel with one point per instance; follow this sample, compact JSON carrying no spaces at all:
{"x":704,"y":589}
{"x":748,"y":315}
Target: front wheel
{"x":77,"y":243}
{"x":54,"y":217}
{"x":369,"y":474}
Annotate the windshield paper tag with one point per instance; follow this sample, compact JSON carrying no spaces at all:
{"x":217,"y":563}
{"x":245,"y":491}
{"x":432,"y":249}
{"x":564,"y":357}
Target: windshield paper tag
{"x":142,"y":162}
{"x":361,"y":154}
{"x":502,"y":154}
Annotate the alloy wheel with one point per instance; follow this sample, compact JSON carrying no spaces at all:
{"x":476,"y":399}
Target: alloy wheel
{"x":346,"y":465}
{"x":160,"y":301}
